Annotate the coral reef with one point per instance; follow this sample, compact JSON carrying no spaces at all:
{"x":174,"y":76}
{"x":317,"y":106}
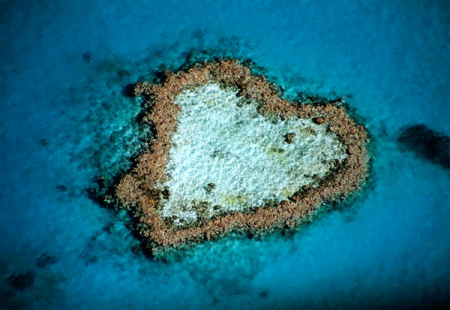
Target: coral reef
{"x":230,"y":155}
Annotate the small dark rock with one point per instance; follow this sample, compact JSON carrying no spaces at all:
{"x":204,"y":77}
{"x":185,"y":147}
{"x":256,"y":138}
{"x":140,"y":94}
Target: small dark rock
{"x":44,"y":142}
{"x":277,"y":150}
{"x":22,"y":281}
{"x":112,"y":139}
{"x":264,"y":294}
{"x":62,"y":188}
{"x":91,"y":260}
{"x":87,"y":57}
{"x":290,"y":138}
{"x":319,"y":120}
{"x":45,"y":260}
{"x":107,"y":106}
{"x":210,"y":187}
{"x":166,"y":193}
{"x":128,"y":90}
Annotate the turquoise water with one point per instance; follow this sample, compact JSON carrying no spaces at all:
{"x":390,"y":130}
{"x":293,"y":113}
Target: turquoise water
{"x":65,"y":120}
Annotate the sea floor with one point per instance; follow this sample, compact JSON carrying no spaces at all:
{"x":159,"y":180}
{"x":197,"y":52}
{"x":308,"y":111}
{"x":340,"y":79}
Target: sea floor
{"x":66,"y":120}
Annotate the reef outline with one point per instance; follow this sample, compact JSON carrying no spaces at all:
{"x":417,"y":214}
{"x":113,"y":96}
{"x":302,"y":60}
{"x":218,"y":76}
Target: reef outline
{"x":136,"y":190}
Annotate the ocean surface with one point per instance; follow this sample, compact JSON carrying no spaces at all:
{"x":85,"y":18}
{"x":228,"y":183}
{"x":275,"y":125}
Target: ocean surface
{"x":66,"y":121}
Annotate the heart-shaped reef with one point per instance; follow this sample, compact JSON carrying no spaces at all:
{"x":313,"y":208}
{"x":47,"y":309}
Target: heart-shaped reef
{"x":230,"y":155}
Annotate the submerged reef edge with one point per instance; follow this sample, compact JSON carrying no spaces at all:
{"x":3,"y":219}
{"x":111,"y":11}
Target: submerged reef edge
{"x":136,"y":191}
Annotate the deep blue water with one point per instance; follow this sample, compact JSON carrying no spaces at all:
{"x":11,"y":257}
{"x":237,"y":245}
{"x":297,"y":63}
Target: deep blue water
{"x":65,"y":120}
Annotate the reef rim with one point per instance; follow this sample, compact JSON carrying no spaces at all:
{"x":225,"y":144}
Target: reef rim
{"x":136,"y":190}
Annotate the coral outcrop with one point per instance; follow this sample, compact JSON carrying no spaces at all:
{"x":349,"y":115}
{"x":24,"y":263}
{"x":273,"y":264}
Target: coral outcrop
{"x":230,"y":155}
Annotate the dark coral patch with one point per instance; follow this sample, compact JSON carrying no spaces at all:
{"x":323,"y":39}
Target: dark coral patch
{"x":427,"y":144}
{"x":45,"y":260}
{"x":22,"y":281}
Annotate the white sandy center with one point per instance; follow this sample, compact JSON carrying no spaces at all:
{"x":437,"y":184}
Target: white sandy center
{"x":226,"y":156}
